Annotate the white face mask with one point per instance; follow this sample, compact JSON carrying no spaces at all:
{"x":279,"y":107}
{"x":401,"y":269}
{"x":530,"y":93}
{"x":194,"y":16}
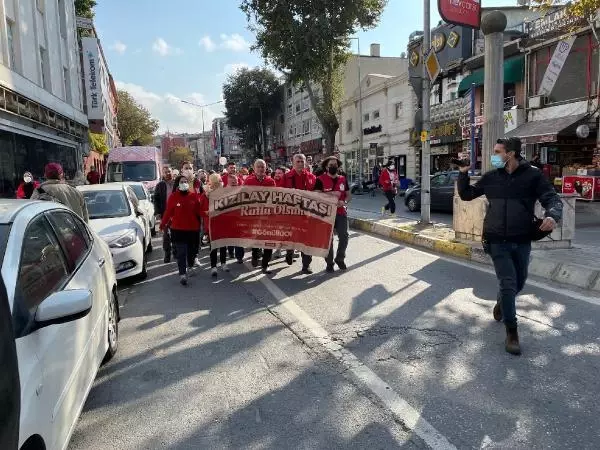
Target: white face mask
{"x":184,"y":187}
{"x":392,"y":167}
{"x":27,"y":179}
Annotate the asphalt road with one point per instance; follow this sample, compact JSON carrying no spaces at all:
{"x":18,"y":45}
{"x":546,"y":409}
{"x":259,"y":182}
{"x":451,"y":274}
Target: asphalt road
{"x":400,"y":351}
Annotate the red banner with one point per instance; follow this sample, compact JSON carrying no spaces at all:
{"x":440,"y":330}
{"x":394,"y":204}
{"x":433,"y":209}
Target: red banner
{"x":579,"y":185}
{"x":265,"y":217}
{"x":461,"y":12}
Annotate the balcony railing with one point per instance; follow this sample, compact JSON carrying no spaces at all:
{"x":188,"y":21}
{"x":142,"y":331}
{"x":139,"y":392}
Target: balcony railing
{"x":509,"y":102}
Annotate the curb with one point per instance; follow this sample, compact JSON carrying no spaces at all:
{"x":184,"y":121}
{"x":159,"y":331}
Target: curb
{"x":572,"y":274}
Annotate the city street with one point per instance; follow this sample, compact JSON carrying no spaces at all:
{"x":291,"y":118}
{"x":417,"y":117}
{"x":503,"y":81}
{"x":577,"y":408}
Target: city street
{"x":401,"y":351}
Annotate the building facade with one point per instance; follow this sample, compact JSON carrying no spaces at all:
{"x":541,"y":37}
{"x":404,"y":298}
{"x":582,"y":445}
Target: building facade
{"x":41,"y":105}
{"x":388,"y":108}
{"x":226,"y":142}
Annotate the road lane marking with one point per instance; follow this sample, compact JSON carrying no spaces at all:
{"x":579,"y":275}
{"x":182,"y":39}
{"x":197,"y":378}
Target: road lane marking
{"x":399,"y":407}
{"x":544,"y":286}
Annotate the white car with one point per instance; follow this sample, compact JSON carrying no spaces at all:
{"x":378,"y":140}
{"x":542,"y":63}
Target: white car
{"x":146,"y":203}
{"x":116,"y":216}
{"x":63,"y":315}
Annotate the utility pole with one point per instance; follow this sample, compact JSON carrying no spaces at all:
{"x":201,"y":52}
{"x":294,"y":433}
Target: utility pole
{"x":426,"y":99}
{"x":361,"y":130}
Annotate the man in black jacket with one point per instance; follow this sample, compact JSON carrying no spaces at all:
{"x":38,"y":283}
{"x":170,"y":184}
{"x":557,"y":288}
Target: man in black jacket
{"x":512,"y":190}
{"x":163,"y":189}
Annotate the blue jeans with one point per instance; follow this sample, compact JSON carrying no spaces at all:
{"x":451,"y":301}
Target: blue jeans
{"x":511,"y":262}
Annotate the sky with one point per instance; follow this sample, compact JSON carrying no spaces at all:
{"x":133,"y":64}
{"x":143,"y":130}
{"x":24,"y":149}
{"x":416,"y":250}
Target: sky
{"x":163,"y":52}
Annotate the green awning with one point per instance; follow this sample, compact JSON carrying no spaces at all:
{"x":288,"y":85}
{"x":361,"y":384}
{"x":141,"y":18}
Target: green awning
{"x":514,"y":72}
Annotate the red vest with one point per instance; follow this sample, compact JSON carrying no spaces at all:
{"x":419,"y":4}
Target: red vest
{"x":337,"y":184}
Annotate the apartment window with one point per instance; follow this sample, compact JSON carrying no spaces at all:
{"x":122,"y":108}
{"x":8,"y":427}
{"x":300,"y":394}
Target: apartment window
{"x":62,"y":12}
{"x":366,"y":117}
{"x":298,"y":108}
{"x":289,"y":92}
{"x":398,"y":110}
{"x":12,"y":54}
{"x":349,"y":126}
{"x":375,"y":114}
{"x":67,"y":85}
{"x":44,"y":67}
{"x":306,"y":127}
{"x":290,"y":109}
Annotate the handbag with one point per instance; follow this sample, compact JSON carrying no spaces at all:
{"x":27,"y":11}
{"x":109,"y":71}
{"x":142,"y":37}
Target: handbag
{"x":535,"y":233}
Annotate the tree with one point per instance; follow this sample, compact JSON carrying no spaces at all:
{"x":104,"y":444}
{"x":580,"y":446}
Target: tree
{"x":585,"y":9}
{"x":308,"y":40}
{"x":178,"y":155}
{"x":135,"y":122}
{"x":85,"y":8}
{"x":98,"y":143}
{"x":247,"y":93}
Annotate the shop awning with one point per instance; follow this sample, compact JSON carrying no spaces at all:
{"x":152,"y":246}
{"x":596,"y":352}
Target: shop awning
{"x":514,"y":72}
{"x":539,"y":131}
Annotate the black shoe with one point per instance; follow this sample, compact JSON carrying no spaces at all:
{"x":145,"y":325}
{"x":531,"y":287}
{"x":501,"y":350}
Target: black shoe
{"x":183,"y":280}
{"x":330,"y":268}
{"x":240,"y":261}
{"x":266,"y":271}
{"x":497,"y":312}
{"x":254,"y":262}
{"x":512,"y":345}
{"x":167,"y":259}
{"x":307,"y":271}
{"x":341,"y":264}
{"x":289,"y":259}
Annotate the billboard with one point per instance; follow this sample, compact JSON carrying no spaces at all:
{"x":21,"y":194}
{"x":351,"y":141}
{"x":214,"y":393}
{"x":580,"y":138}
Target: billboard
{"x":461,"y":12}
{"x":92,"y":83}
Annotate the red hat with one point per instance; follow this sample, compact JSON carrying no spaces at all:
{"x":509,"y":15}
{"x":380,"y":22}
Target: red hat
{"x":53,"y":171}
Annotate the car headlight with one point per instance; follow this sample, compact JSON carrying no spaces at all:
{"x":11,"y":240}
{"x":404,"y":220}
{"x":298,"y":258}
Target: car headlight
{"x":125,"y":240}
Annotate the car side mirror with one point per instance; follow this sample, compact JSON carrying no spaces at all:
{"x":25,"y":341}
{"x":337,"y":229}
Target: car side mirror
{"x":63,"y":307}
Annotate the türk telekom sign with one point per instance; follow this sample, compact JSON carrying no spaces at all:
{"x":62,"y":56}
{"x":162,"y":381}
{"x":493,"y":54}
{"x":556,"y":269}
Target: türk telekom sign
{"x":461,"y":12}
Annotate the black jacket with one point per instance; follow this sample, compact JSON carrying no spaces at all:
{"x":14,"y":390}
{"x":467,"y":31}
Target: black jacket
{"x":160,"y":197}
{"x":511,"y":200}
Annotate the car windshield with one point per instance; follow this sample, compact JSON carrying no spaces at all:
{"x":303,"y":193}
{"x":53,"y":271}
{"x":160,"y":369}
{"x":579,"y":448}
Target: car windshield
{"x":106,"y":204}
{"x":139,"y":191}
{"x":132,"y":171}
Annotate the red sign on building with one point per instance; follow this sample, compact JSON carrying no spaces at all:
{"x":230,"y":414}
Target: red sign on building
{"x":461,"y":12}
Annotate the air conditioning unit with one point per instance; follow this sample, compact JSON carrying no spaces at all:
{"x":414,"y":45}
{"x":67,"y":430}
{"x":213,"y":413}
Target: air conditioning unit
{"x":537,"y":101}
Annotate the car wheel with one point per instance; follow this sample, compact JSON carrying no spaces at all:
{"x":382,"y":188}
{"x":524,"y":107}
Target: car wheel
{"x":113,"y":329}
{"x":144,"y":273}
{"x":149,"y":248}
{"x":153,"y":231}
{"x":412,"y":204}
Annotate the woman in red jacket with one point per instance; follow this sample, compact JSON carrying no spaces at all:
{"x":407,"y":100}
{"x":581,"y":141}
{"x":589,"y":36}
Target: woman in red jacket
{"x":389,"y":183}
{"x":27,"y":187}
{"x":214,"y":183}
{"x":183,"y":215}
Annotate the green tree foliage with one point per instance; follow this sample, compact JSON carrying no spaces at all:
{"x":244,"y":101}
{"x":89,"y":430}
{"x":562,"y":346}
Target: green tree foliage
{"x":135,"y":122}
{"x":246,"y":93}
{"x":585,"y":9}
{"x":308,"y":40}
{"x":85,"y":8}
{"x":98,"y":143}
{"x":178,"y":155}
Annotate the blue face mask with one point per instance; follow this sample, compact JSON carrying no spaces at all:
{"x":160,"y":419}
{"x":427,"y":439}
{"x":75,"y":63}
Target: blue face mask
{"x":498,"y":162}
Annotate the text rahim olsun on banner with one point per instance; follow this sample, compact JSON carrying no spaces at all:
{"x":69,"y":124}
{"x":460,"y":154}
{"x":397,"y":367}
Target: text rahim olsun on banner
{"x":265,"y":217}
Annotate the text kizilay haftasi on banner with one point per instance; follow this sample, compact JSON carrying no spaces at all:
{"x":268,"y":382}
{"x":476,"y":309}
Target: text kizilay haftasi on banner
{"x":265,"y":217}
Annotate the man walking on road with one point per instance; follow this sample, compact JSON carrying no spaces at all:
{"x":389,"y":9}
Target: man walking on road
{"x":163,"y":190}
{"x":512,"y":190}
{"x":260,"y":178}
{"x":302,"y":179}
{"x":332,"y":182}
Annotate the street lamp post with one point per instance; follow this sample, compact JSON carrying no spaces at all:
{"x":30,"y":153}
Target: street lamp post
{"x":202,"y":112}
{"x":426,"y":145}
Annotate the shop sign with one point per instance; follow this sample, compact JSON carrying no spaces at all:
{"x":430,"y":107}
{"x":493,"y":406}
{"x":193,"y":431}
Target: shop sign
{"x":551,"y":23}
{"x":91,"y":70}
{"x":438,"y":42}
{"x":539,"y":139}
{"x":453,"y":39}
{"x":556,"y":65}
{"x":372,"y":130}
{"x":446,"y":132}
{"x":461,"y":12}
{"x":311,"y":147}
{"x":441,"y":150}
{"x":414,"y":58}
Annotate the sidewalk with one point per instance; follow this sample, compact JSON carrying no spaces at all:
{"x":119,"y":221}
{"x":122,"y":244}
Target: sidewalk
{"x":578,"y":266}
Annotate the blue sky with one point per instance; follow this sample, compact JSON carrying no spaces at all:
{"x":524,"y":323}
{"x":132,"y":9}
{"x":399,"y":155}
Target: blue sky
{"x":164,"y":51}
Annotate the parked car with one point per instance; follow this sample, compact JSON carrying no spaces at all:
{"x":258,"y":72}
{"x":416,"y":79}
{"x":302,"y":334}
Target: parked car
{"x":116,"y":216}
{"x":62,"y":293}
{"x":442,"y":193}
{"x":146,"y":204}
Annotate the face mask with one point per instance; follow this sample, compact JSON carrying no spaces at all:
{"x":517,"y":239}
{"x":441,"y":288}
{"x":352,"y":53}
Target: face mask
{"x":497,"y":162}
{"x":27,"y":179}
{"x":332,"y":170}
{"x":188,"y":173}
{"x":184,"y":187}
{"x":392,"y":167}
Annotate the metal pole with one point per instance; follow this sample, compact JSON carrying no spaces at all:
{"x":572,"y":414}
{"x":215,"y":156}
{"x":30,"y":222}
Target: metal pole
{"x":473,"y":153}
{"x":203,"y":138}
{"x":360,"y":137}
{"x":426,"y":147}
